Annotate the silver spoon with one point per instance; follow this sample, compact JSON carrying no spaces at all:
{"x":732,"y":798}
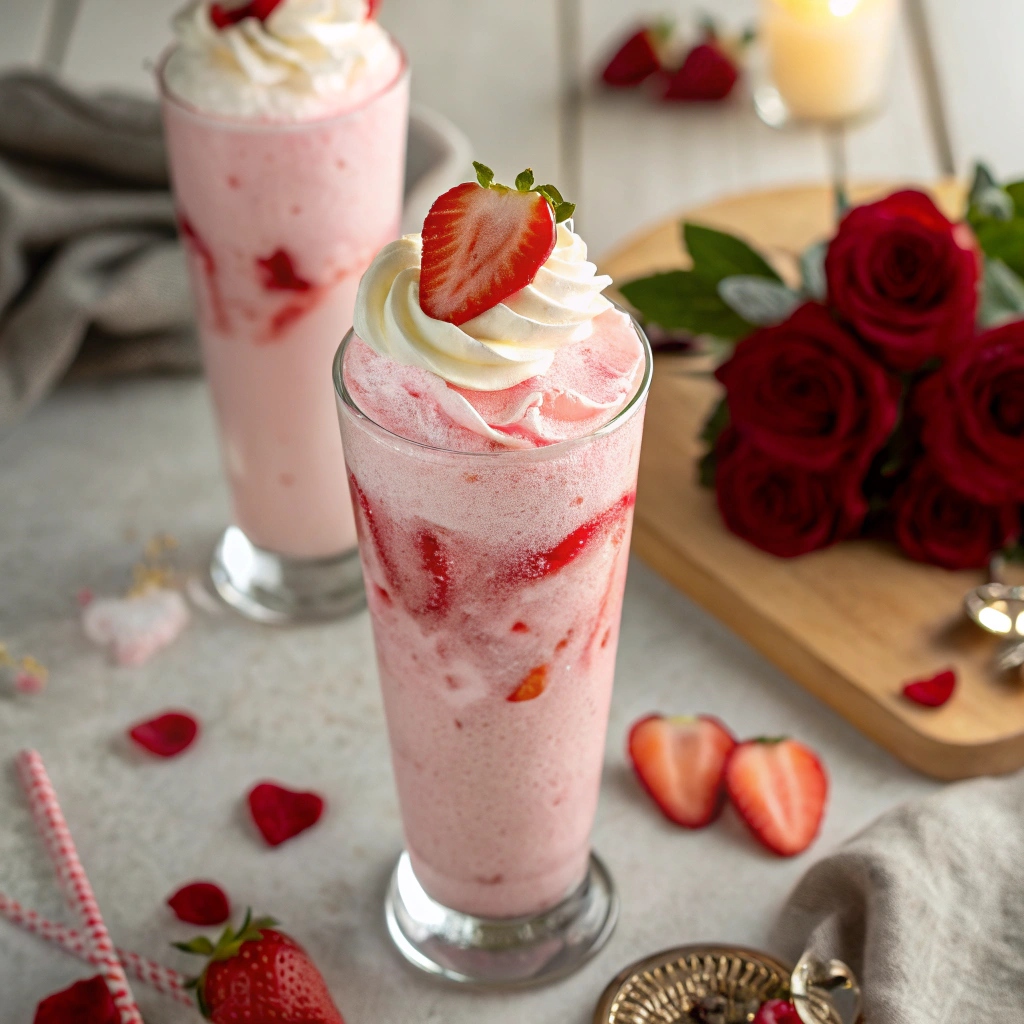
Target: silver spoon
{"x":998,"y":608}
{"x":825,"y":992}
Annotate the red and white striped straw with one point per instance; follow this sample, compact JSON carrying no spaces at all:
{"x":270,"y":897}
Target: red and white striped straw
{"x":149,"y":972}
{"x":78,"y":892}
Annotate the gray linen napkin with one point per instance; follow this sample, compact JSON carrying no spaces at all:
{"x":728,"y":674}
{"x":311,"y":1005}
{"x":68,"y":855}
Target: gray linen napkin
{"x":927,"y":906}
{"x":90,"y":265}
{"x":87,"y":239}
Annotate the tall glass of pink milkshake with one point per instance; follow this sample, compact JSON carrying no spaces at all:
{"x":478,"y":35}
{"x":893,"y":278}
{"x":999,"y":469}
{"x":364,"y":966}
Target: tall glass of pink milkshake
{"x":493,"y":472}
{"x":286,"y":124}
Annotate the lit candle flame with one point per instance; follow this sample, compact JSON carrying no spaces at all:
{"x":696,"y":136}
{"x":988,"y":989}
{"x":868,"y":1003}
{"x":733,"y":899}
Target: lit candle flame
{"x":841,"y":8}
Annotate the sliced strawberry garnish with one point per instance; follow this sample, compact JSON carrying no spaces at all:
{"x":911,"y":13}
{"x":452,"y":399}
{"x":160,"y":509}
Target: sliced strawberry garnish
{"x":437,"y":564}
{"x":201,"y":903}
{"x":532,"y":686}
{"x":281,"y":813}
{"x":85,"y":1002}
{"x":934,"y":692}
{"x":779,"y":788}
{"x":681,"y":763}
{"x":167,"y":735}
{"x":224,"y":16}
{"x":372,"y":7}
{"x":278,"y":274}
{"x":777,"y":1011}
{"x":482,"y":242}
{"x":708,"y":73}
{"x":633,"y":62}
{"x":538,"y":564}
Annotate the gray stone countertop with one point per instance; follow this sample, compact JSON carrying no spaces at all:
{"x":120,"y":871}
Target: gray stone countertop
{"x":83,"y":483}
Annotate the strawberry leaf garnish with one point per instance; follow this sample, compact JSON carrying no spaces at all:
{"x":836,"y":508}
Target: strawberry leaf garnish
{"x":525,"y":183}
{"x":484,"y":174}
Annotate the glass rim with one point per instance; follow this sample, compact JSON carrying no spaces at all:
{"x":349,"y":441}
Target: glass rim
{"x":549,"y":450}
{"x":266,"y":124}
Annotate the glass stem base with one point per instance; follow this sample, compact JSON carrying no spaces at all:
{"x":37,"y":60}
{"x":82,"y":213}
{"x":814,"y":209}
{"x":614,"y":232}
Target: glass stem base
{"x":500,"y":953}
{"x":268,"y":587}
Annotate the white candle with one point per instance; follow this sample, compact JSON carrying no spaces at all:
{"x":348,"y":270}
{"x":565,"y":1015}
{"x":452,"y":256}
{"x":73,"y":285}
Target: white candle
{"x":828,"y":58}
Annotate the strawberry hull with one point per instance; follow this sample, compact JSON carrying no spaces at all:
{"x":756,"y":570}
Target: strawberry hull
{"x":495,"y":584}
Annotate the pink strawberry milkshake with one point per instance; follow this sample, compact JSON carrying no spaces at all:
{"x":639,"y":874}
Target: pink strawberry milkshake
{"x":494,"y":496}
{"x":286,"y":137}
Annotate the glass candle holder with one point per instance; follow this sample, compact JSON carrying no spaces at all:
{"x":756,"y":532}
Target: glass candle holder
{"x":825,"y":64}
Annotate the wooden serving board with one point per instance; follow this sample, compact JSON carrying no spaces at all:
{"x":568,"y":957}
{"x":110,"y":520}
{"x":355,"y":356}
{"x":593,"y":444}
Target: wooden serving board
{"x":852,"y":623}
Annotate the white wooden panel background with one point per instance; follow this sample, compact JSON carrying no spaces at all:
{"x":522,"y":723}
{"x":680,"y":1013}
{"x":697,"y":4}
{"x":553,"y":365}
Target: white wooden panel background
{"x":500,"y":72}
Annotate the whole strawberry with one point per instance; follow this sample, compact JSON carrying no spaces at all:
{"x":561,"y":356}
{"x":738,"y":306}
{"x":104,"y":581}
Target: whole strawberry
{"x":707,"y":74}
{"x":260,"y":976}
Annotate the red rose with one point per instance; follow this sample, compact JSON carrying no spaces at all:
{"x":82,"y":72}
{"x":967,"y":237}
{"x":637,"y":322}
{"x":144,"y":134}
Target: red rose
{"x":782,"y":508}
{"x":936,"y":524}
{"x":973,"y":417}
{"x":806,"y":392}
{"x":905,"y":278}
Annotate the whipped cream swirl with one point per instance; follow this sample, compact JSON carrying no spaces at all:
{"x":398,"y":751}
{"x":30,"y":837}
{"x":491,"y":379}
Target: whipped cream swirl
{"x":307,"y":59}
{"x":503,"y":346}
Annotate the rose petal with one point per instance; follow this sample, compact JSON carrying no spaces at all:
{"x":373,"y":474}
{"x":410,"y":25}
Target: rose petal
{"x":281,"y":813}
{"x":201,"y":903}
{"x":85,"y":1002}
{"x":934,"y":692}
{"x":167,"y":735}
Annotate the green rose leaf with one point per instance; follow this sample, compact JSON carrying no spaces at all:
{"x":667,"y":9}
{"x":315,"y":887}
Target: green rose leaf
{"x":987,"y":197}
{"x":758,"y":300}
{"x":685,"y":300}
{"x":812,"y":271}
{"x":1002,"y":295}
{"x":716,"y":254}
{"x":1003,"y":240}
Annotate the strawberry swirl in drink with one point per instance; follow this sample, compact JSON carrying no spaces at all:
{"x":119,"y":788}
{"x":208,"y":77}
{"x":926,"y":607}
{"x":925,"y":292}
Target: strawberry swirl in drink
{"x":286,"y":123}
{"x":491,"y":403}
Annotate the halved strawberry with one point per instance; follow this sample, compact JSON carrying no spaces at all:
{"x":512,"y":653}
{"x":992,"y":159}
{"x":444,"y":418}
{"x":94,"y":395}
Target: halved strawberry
{"x":482,"y":242}
{"x":779,"y":788}
{"x":681,"y":763}
{"x":708,"y":73}
{"x":634,"y":61}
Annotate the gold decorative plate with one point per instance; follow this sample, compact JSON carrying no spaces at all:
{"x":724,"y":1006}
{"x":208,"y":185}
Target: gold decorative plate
{"x":728,"y":981}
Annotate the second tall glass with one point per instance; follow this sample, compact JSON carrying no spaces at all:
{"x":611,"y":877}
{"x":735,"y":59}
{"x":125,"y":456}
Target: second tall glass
{"x":279,"y":221}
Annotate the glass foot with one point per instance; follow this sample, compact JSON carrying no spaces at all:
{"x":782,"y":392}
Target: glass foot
{"x":510,"y":952}
{"x":272,"y":588}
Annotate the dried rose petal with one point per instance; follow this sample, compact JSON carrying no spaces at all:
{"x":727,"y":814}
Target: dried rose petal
{"x":934,"y":692}
{"x":281,"y":813}
{"x":166,"y":735}
{"x":201,"y":903}
{"x":85,"y":1002}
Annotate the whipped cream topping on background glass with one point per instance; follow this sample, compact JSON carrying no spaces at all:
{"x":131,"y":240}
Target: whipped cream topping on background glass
{"x":503,"y":346}
{"x":308,"y":59}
